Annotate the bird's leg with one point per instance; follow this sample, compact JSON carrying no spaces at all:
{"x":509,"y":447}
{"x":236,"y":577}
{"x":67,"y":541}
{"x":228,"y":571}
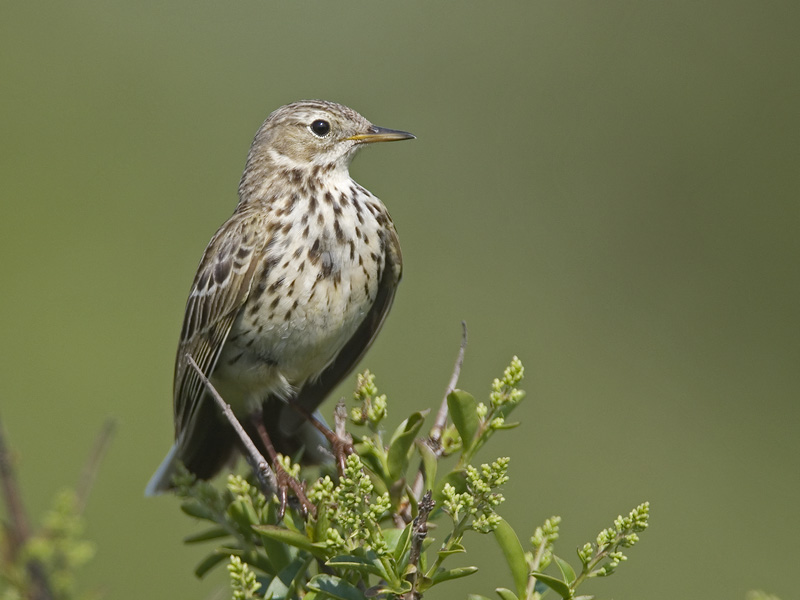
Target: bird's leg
{"x":284,"y":480}
{"x":341,"y":444}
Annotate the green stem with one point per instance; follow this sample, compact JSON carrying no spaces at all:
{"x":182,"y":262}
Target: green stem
{"x":390,"y":570}
{"x":295,"y":585}
{"x":537,"y":560}
{"x":453,"y":538}
{"x":590,"y":566}
{"x":467,"y":456}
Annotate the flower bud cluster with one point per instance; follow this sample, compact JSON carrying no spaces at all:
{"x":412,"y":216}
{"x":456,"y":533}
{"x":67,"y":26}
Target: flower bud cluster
{"x":480,"y":498}
{"x":543,"y":539}
{"x":356,"y":513}
{"x":243,"y":579}
{"x":372,"y":408}
{"x":293,"y":469}
{"x":505,"y":390}
{"x":607,"y":545}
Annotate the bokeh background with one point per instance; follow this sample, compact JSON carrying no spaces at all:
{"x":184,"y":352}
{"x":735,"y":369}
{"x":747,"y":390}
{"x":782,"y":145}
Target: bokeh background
{"x":610,"y":190}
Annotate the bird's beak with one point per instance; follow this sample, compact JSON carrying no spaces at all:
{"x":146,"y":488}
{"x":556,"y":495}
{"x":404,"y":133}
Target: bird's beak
{"x":381,"y":134}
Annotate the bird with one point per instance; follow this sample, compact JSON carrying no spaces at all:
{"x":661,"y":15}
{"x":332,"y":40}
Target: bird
{"x":290,"y":293}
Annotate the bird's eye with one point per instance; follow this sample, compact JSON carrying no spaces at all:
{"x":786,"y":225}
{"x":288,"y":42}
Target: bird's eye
{"x":320,"y":127}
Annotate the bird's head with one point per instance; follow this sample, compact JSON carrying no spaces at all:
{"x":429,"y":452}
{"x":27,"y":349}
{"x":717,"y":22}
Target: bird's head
{"x":312,"y":133}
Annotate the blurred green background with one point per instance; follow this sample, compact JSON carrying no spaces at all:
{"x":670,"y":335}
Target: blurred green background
{"x":609,"y":190}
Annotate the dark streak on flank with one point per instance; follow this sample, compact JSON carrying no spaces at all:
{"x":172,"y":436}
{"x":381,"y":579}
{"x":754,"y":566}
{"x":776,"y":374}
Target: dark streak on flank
{"x":315,"y":252}
{"x":276,"y":284}
{"x":258,"y":290}
{"x":339,"y":233}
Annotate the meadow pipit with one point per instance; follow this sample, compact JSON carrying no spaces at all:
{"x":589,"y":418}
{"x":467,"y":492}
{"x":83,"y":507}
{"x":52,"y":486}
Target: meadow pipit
{"x":291,"y":290}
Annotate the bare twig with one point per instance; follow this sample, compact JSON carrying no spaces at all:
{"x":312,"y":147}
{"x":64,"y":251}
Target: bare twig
{"x":260,"y":465}
{"x":441,"y":416}
{"x":92,"y":465}
{"x":419,"y":532}
{"x":435,"y":436}
{"x":340,"y":419}
{"x":18,"y":529}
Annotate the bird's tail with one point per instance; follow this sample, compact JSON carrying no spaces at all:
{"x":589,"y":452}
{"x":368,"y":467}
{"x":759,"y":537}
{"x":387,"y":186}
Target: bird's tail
{"x":161,"y":481}
{"x":204,"y":448}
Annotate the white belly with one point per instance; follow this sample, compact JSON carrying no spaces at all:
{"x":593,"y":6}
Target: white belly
{"x":311,"y":304}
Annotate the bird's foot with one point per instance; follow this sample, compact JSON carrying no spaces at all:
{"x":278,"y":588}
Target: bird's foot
{"x":284,"y":481}
{"x":341,"y":447}
{"x":287,"y":482}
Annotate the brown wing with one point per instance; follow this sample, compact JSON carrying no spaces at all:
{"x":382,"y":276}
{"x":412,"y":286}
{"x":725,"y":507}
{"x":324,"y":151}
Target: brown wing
{"x":313,"y":393}
{"x":221,"y":286}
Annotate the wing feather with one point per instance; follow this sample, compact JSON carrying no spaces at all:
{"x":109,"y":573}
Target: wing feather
{"x":220,"y":288}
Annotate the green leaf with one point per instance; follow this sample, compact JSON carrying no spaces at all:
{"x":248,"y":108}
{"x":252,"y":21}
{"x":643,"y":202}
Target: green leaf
{"x":321,"y":524}
{"x":566,"y":569}
{"x":211,"y":561}
{"x":391,"y":535}
{"x":389,"y":590}
{"x":374,"y":458}
{"x":400,"y":445}
{"x":242,"y":513}
{"x":209,"y":534}
{"x":279,"y":553}
{"x":514,"y":555}
{"x":453,"y":549}
{"x":402,"y":544}
{"x":281,"y":584}
{"x":507,"y":409}
{"x":506,"y":594}
{"x":293,"y":538}
{"x":195,"y":509}
{"x":558,"y":586}
{"x":413,"y":504}
{"x":476,"y":597}
{"x":429,"y":462}
{"x":357,"y":563}
{"x":464,"y":412}
{"x":335,"y":587}
{"x":508,"y":426}
{"x":276,"y":590}
{"x":458,"y":479}
{"x":448,"y":574}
